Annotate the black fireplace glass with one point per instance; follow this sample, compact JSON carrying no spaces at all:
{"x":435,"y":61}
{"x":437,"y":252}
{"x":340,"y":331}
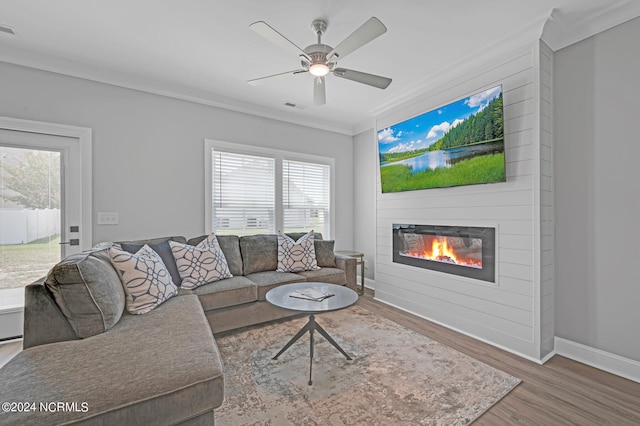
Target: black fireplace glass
{"x":467,"y":251}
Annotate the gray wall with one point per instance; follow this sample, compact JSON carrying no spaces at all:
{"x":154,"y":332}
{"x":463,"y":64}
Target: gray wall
{"x":148,"y":150}
{"x":597,"y":103}
{"x":365,"y":162}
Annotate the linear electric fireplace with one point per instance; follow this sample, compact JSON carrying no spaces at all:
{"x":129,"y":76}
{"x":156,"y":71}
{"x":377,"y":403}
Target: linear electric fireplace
{"x":461,"y":250}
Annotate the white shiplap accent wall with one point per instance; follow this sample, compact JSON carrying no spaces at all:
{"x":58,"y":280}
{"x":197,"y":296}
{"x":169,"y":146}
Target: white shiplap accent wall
{"x":547,"y":224}
{"x":505,"y":313}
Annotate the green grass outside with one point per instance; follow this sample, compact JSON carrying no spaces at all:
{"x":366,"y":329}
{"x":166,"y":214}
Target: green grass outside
{"x":485,"y":168}
{"x":22,"y":264}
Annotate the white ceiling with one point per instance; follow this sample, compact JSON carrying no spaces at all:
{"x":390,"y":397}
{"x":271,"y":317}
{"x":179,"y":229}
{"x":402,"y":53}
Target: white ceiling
{"x":203,"y":50}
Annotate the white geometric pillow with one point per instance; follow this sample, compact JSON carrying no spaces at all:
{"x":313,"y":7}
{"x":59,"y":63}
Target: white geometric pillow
{"x":145,"y":278}
{"x":296,"y":256}
{"x":201,"y":264}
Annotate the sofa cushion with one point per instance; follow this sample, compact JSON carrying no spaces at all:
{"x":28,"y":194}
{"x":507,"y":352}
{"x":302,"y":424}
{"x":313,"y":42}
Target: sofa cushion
{"x":324,"y":253}
{"x":230,"y":245}
{"x":153,"y":241}
{"x":229,"y":292}
{"x":145,"y":278}
{"x":88,"y":291}
{"x":160,"y":368}
{"x":259,"y":253}
{"x":270,"y":279}
{"x":164,"y":251}
{"x":326,"y":275}
{"x":201,"y":264}
{"x":296,"y":256}
{"x":297,"y":235}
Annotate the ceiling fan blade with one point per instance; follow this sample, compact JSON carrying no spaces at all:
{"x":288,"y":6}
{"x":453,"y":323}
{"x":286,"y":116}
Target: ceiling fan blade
{"x":257,"y":81}
{"x":363,"y":77}
{"x":266,"y":31}
{"x":368,"y":31}
{"x":319,"y":92}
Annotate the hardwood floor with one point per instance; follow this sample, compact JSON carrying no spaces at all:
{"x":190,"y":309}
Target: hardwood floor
{"x":560,"y":392}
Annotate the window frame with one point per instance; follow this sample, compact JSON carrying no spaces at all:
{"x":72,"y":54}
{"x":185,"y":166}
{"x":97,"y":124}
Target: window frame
{"x":278,"y":156}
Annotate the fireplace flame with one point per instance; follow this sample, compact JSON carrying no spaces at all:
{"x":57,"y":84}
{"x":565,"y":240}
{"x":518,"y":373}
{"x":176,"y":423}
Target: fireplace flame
{"x":441,"y":252}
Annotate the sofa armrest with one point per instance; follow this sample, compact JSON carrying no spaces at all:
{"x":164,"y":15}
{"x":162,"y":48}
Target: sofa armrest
{"x":44,"y":322}
{"x":348,"y":265}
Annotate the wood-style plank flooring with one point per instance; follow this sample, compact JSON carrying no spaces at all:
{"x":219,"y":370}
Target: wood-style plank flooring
{"x":560,"y":392}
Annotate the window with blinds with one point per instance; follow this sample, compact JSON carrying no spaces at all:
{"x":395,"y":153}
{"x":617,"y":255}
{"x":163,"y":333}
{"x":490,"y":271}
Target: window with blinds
{"x":243,"y":192}
{"x":306,"y":194}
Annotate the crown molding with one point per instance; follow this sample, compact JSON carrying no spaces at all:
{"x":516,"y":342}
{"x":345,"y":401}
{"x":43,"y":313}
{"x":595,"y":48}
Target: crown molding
{"x":489,"y":54}
{"x":364,"y":126}
{"x":100,"y":75}
{"x":562,"y":30}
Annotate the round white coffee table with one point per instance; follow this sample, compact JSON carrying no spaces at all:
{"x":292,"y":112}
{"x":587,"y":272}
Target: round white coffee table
{"x":282,"y":297}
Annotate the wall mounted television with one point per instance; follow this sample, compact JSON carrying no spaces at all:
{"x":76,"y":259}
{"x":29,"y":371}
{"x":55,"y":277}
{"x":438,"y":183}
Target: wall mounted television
{"x":461,"y":143}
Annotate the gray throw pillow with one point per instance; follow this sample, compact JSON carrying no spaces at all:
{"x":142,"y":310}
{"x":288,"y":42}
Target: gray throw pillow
{"x":324,"y":253}
{"x":88,"y":291}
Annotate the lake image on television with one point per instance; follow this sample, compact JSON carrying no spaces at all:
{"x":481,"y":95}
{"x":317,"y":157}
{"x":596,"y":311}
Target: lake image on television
{"x":458,"y":144}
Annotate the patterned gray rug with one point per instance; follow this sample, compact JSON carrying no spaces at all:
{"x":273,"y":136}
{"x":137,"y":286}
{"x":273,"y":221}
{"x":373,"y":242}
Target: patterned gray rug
{"x":396,"y":377}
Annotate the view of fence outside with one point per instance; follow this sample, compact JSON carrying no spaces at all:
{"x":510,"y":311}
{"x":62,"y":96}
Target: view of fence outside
{"x":29,"y":215}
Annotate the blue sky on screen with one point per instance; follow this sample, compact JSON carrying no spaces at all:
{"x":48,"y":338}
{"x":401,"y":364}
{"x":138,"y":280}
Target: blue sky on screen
{"x":426,"y":129}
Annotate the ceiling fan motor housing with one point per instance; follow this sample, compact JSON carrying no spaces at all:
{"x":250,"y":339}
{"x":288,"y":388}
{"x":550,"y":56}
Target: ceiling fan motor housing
{"x":318,"y":54}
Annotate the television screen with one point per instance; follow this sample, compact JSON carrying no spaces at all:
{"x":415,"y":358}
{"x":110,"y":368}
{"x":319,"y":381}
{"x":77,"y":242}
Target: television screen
{"x":461,"y":143}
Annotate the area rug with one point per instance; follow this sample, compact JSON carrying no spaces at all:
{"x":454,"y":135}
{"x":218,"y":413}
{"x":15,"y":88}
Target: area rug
{"x":396,"y":377}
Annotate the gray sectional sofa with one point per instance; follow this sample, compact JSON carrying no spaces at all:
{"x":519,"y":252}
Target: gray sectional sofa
{"x":88,"y":361}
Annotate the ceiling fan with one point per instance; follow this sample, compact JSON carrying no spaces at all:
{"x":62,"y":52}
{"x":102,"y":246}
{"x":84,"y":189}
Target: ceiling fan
{"x":320,"y":59}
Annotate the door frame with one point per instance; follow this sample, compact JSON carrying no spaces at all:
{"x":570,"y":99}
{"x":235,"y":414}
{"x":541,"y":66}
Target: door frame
{"x":81,"y":143}
{"x":78,"y":152}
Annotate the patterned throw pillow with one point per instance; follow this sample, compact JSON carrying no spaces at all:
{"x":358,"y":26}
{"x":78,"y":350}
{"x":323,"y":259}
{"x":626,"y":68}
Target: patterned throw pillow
{"x":145,"y":278}
{"x":201,"y":264}
{"x":296,"y":256}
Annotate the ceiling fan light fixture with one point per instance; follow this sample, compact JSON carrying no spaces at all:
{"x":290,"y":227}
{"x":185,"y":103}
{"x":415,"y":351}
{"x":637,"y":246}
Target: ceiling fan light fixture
{"x":319,"y":70}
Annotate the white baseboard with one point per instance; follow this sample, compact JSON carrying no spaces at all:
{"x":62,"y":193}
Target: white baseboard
{"x":368,"y":282}
{"x":612,"y":363}
{"x":457,"y":330}
{"x":11,"y":320}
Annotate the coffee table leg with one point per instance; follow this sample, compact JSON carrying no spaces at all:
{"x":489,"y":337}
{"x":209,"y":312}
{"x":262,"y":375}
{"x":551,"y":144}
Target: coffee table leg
{"x":299,"y":334}
{"x":311,"y":326}
{"x":311,"y":319}
{"x":330,"y":340}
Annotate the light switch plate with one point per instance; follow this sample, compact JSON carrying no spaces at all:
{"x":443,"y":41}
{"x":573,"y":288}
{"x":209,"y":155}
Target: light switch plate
{"x":108,"y":218}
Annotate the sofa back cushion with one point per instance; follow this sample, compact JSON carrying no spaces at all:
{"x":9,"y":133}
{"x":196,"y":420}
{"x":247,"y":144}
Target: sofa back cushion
{"x":230,"y":245}
{"x":259,"y":253}
{"x":88,"y":291}
{"x":295,"y":236}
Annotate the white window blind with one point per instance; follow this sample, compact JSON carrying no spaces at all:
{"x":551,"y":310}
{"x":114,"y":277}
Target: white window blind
{"x":243,"y":189}
{"x":306,"y":195}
